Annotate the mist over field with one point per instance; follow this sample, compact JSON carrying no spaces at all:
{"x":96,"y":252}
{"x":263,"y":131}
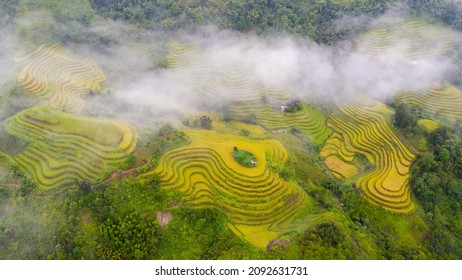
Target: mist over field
{"x":302,"y":67}
{"x":129,"y":57}
{"x":7,"y":51}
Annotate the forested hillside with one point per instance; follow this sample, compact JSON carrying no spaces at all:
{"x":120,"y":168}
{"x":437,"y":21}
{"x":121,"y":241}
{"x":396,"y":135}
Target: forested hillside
{"x":316,"y":19}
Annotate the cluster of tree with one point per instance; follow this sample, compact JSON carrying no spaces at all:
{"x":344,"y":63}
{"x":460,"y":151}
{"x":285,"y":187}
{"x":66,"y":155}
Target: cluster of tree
{"x":26,"y":185}
{"x":293,"y":106}
{"x":316,"y":19}
{"x":325,"y":241}
{"x":118,"y":221}
{"x":204,"y":122}
{"x":436,"y":179}
{"x":27,"y":224}
{"x":406,"y":119}
{"x":7,"y":11}
{"x":245,"y":158}
{"x":249,"y":119}
{"x":447,"y":11}
{"x":14,"y":100}
{"x":406,"y":116}
{"x":100,"y":226}
{"x":130,"y":236}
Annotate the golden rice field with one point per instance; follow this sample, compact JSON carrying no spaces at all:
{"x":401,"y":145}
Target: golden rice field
{"x":366,"y":130}
{"x":64,"y":147}
{"x":446,"y":101}
{"x":60,"y":76}
{"x":261,"y":206}
{"x":338,"y":159}
{"x":310,"y":120}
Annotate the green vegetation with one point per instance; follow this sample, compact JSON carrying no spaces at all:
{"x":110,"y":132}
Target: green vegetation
{"x":293,"y":106}
{"x":205,"y":122}
{"x":405,"y":116}
{"x":445,"y":11}
{"x":245,"y":158}
{"x":312,"y":18}
{"x":437,"y":178}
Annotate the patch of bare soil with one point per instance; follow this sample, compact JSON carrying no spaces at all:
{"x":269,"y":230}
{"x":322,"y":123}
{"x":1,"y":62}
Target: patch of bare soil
{"x":86,"y":218}
{"x":118,"y":175}
{"x":164,"y":218}
{"x":278,"y":242}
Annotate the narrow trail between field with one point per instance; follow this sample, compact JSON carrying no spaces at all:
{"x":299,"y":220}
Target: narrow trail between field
{"x":119,"y":175}
{"x":14,"y":185}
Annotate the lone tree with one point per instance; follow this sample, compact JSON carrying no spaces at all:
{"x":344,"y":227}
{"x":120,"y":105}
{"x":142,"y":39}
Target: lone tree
{"x":293,"y":106}
{"x":83,"y":185}
{"x":405,"y":117}
{"x":205,"y":122}
{"x":250,"y":119}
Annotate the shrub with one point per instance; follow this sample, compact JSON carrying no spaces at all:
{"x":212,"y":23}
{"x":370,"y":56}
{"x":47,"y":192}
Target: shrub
{"x":205,"y":122}
{"x":250,"y":119}
{"x":245,"y":158}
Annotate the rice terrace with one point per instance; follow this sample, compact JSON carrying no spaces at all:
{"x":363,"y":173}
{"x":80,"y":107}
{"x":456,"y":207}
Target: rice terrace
{"x":218,"y":130}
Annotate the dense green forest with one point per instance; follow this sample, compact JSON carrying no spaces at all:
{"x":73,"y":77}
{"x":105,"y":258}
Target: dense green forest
{"x":129,"y":199}
{"x":305,"y":18}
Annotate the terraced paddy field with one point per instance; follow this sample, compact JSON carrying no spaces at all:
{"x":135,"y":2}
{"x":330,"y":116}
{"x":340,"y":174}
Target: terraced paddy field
{"x":236,"y":127}
{"x":261,"y":206}
{"x":446,"y":101}
{"x":338,"y":158}
{"x":366,"y":130}
{"x":63,"y":147}
{"x":415,"y":38}
{"x":60,"y":76}
{"x":310,"y":120}
{"x":234,"y":82}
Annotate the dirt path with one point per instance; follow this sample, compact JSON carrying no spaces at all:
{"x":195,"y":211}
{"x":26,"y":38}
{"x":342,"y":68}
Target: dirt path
{"x":115,"y":175}
{"x":14,"y":185}
{"x":164,"y":218}
{"x":278,"y":242}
